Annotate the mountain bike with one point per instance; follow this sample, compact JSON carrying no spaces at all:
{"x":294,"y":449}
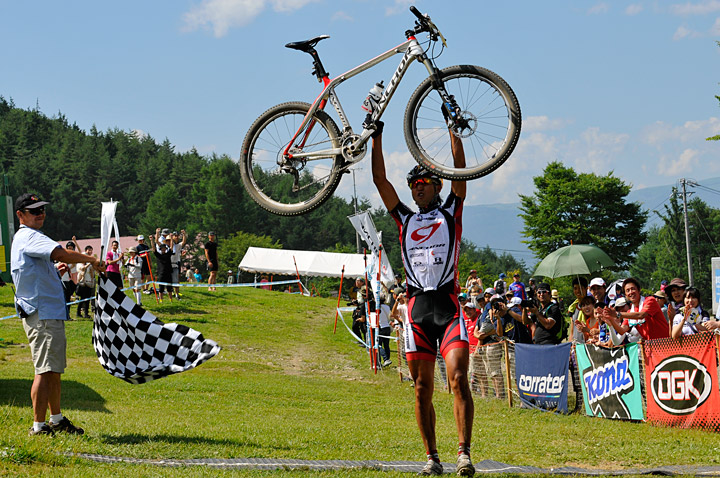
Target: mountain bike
{"x":294,"y":154}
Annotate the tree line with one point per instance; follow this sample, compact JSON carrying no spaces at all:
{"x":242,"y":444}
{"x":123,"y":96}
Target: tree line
{"x":157,"y":186}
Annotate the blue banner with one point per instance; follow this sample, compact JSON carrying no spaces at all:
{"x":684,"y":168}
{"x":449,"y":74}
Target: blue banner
{"x":542,"y":375}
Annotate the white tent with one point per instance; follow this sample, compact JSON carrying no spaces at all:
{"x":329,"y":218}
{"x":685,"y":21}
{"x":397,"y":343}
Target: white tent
{"x":309,"y":263}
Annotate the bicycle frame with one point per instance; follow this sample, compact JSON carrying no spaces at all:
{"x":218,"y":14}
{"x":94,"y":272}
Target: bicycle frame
{"x":411,"y":49}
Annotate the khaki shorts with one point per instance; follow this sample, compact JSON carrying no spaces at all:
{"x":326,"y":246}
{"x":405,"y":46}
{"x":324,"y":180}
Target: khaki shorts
{"x":133,"y":281}
{"x":47,"y":344}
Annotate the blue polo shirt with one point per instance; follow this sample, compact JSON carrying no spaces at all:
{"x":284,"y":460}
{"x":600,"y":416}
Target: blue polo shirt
{"x":38,"y":285}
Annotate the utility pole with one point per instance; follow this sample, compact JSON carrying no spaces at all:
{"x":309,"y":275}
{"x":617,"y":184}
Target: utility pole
{"x":683,"y":182}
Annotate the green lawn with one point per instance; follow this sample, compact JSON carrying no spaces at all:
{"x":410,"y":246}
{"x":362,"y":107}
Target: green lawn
{"x":284,"y":386}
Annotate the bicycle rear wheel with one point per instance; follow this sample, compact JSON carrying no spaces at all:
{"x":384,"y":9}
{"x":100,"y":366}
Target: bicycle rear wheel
{"x":493,"y":116}
{"x":283,"y":186}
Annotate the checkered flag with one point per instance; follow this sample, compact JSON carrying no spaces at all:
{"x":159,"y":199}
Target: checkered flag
{"x":132,"y":344}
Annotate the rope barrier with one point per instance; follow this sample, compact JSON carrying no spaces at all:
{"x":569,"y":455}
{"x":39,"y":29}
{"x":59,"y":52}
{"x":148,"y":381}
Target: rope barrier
{"x":184,"y":284}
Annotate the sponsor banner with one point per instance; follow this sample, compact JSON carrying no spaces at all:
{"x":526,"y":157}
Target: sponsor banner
{"x":542,"y":374}
{"x":681,"y":381}
{"x":610,"y":381}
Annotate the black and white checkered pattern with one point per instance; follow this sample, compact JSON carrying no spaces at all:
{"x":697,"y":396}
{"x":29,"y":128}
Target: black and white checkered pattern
{"x":132,"y":344}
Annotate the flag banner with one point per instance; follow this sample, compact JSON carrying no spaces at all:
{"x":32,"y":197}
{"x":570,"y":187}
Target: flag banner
{"x":681,"y":381}
{"x":542,"y":373}
{"x":365,"y":227}
{"x":611,"y":381}
{"x":108,"y":225}
{"x":132,"y":344}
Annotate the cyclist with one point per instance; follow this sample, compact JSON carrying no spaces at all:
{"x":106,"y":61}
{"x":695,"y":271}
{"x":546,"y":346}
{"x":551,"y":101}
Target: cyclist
{"x":430,"y":240}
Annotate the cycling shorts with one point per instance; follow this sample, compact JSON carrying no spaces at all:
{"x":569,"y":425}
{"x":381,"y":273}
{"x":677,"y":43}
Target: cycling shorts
{"x":434,"y":317}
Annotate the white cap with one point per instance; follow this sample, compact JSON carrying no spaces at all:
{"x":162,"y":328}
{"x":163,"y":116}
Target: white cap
{"x":515,"y":301}
{"x":622,"y":301}
{"x":597,"y":281}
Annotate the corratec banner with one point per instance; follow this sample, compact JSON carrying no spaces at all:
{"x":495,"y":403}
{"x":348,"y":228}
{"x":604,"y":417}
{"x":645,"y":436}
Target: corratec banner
{"x":610,"y":381}
{"x":681,"y":381}
{"x":542,"y":374}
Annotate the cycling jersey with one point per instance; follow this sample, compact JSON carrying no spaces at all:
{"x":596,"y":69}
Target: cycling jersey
{"x":430,"y":243}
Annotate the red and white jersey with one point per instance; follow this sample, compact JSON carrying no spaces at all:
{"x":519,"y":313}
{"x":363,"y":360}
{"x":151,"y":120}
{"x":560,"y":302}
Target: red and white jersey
{"x":430,"y":244}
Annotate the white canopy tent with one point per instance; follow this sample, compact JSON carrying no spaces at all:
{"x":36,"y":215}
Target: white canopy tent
{"x":309,"y":263}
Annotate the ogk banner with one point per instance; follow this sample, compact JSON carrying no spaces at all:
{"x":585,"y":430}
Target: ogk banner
{"x":681,"y":381}
{"x":610,"y":381}
{"x":542,"y":374}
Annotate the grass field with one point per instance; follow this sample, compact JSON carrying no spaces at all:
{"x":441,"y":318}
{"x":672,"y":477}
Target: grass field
{"x":284,"y":386}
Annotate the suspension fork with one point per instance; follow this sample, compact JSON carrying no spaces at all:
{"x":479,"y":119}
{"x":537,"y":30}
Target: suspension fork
{"x":449,"y":105}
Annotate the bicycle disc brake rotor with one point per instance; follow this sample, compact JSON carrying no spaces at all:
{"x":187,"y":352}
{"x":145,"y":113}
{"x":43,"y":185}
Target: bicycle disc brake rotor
{"x":353,"y":155}
{"x":466,"y":125}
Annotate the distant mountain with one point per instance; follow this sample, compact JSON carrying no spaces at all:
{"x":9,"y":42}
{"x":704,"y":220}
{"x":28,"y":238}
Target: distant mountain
{"x":499,"y":226}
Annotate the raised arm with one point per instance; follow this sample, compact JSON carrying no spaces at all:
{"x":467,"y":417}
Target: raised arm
{"x":385,"y":188}
{"x":458,"y":187}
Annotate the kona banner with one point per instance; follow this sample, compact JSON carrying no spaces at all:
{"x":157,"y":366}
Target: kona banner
{"x":681,"y":381}
{"x":542,"y":374}
{"x":610,"y":381}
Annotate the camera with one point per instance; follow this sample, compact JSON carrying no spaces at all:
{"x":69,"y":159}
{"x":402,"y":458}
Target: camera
{"x":496,"y":304}
{"x":528,"y":303}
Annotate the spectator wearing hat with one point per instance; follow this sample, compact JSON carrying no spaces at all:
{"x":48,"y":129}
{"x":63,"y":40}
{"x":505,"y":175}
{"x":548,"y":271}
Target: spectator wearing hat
{"x":211,"y":256}
{"x":133,"y":265}
{"x":675,"y":291}
{"x":472,"y":280}
{"x":40,"y":302}
{"x":597,"y":290}
{"x":514,"y":323}
{"x":143,"y":251}
{"x":518,"y":288}
{"x":661,"y":297}
{"x":645,"y":313}
{"x":547,"y":317}
{"x":86,"y":281}
{"x":500,"y":285}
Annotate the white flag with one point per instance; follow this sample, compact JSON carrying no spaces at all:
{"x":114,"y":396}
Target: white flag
{"x":365,"y":226}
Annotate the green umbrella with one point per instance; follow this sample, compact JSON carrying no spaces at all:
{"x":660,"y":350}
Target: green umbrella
{"x":576,"y":259}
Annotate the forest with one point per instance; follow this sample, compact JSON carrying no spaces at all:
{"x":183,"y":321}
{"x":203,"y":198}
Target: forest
{"x":157,"y":186}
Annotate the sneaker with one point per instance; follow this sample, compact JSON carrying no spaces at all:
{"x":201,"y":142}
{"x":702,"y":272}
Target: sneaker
{"x":431,"y":468}
{"x":45,"y":430}
{"x":464,"y":466}
{"x":387,"y":362}
{"x":66,"y":426}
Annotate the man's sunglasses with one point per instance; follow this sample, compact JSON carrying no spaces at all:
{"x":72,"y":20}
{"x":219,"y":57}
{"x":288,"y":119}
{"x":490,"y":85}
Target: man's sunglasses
{"x":414,"y":184}
{"x":543,"y":292}
{"x":36,"y":211}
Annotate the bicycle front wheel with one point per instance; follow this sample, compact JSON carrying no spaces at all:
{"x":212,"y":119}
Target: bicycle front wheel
{"x":285,"y":185}
{"x":488,"y":105}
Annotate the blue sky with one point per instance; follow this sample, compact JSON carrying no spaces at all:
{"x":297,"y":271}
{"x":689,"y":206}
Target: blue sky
{"x":603,"y":86}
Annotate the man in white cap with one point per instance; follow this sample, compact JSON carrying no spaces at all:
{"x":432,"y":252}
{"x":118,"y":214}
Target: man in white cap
{"x":597,"y":289}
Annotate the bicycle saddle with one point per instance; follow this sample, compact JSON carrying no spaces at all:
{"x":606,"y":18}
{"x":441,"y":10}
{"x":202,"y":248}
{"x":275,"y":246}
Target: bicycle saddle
{"x":306,"y":45}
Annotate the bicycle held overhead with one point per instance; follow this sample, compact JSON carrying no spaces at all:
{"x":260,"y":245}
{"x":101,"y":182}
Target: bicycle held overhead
{"x":294,"y":154}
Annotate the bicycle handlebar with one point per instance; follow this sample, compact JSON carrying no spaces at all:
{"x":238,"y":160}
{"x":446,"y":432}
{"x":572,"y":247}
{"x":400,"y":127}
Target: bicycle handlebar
{"x":417,"y":13}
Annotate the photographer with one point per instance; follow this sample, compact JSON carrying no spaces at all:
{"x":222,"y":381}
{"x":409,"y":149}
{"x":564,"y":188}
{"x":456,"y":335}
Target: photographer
{"x":514,"y":321}
{"x":547,"y":317}
{"x":359,"y":326}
